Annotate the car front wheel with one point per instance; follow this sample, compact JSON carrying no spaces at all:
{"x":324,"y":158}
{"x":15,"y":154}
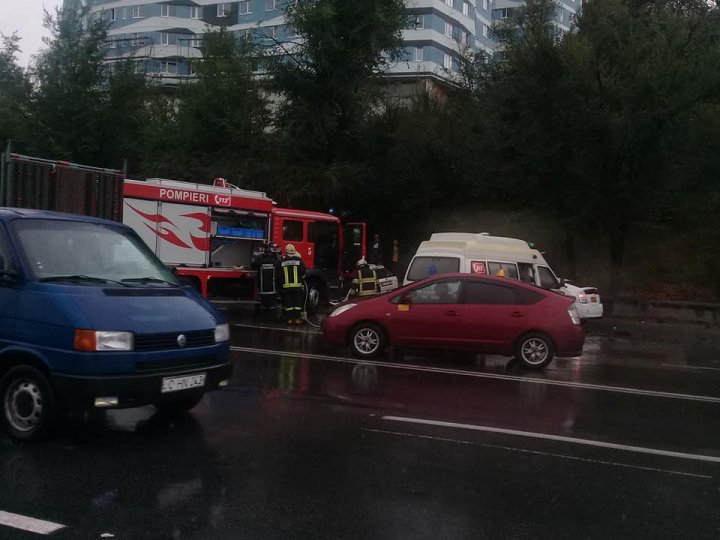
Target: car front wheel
{"x":28,"y":403}
{"x":367,"y":340}
{"x":534,"y":351}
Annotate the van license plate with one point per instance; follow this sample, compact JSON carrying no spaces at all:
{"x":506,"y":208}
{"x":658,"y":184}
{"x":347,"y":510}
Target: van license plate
{"x":175,"y":384}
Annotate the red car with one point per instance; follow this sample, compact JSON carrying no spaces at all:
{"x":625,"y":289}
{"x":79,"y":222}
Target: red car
{"x":462,"y":311}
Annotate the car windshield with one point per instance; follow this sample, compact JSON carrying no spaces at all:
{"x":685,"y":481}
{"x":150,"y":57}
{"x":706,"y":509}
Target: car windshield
{"x":88,"y":253}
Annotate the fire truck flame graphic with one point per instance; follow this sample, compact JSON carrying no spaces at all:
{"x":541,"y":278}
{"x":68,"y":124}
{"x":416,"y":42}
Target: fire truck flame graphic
{"x":164,"y":231}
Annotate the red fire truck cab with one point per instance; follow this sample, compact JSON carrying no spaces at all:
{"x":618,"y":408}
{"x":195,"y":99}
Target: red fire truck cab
{"x":210,"y":235}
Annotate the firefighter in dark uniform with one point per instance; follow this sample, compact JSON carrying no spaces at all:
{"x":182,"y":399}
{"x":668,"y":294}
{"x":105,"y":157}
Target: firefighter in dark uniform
{"x":366,"y":282}
{"x":291,"y":276}
{"x":266,"y":265}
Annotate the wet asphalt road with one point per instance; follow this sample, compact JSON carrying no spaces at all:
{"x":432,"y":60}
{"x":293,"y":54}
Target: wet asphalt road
{"x":308,"y":443}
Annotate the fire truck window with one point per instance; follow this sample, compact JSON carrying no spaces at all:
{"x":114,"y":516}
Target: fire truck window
{"x":292,"y":231}
{"x":325,"y":236}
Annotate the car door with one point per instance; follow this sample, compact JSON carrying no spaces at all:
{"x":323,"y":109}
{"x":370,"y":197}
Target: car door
{"x":494,"y":315}
{"x":8,"y":291}
{"x":428,"y":315}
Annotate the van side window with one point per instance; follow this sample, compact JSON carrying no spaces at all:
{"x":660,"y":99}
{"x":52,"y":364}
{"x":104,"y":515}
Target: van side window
{"x":510,"y":269}
{"x":527,"y":274}
{"x":6,"y":261}
{"x":547,"y":279}
{"x":422,"y":267}
{"x":292,"y":231}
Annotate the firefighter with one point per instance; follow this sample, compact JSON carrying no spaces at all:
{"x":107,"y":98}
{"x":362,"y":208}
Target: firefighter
{"x":365,"y":282}
{"x":292,"y":274}
{"x":266,"y":266}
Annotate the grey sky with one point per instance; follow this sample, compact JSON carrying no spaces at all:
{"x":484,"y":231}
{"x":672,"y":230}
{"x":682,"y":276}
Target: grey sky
{"x":25,"y":17}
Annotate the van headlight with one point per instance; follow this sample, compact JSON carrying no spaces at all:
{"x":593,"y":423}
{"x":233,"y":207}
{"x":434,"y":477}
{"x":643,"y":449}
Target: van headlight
{"x":342,"y":309}
{"x":222,"y":333}
{"x":95,"y":340}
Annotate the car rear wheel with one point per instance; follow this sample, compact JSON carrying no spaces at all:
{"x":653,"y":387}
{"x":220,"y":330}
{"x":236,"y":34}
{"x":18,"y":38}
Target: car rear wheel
{"x":534,"y":351}
{"x":28,"y":403}
{"x":178,"y":405}
{"x":367,"y":340}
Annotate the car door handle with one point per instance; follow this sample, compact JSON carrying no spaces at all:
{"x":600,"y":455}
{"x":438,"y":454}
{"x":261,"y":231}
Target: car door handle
{"x":517,"y":314}
{"x":451,"y":313}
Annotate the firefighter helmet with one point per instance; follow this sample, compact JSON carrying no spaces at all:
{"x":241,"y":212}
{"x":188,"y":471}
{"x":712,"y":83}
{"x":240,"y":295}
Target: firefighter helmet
{"x":290,"y":250}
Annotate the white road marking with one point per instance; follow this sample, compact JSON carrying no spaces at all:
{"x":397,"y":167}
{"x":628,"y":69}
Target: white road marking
{"x":676,"y":366}
{"x":295,"y":329}
{"x":559,"y":438}
{"x":485,"y":375}
{"x":24,"y":523}
{"x":535,"y":452}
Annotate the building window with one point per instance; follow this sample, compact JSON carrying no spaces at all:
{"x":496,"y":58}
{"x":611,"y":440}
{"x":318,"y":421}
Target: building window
{"x":504,"y":13}
{"x":112,"y":15}
{"x":418,"y":54}
{"x":466,"y":9}
{"x":449,"y":2}
{"x":447,"y":61}
{"x":111,"y":44}
{"x":485,"y":5}
{"x":135,"y":40}
{"x":223,"y":10}
{"x":448,"y":30}
{"x":292,"y":31}
{"x":196,"y":41}
{"x":194,"y":12}
{"x":139,"y":66}
{"x":271,"y":32}
{"x":419,"y":22}
{"x":244,"y":7}
{"x":137,"y":12}
{"x":164,"y":10}
{"x":169,"y":67}
{"x":164,"y":38}
{"x":124,"y":13}
{"x":270,"y":5}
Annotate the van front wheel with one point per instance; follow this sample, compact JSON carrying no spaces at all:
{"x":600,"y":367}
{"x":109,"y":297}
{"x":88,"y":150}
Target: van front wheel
{"x":28,"y":403}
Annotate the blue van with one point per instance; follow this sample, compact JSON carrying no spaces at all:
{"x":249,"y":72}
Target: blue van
{"x":90,"y":318}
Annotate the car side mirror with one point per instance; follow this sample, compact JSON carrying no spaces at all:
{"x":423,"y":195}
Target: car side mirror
{"x":8,"y":278}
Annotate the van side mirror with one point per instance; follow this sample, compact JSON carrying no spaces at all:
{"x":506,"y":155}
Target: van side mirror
{"x":562,"y":282}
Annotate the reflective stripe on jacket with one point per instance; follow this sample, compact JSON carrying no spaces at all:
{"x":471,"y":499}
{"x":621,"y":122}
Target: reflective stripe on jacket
{"x":366,"y":283}
{"x":292,"y":272}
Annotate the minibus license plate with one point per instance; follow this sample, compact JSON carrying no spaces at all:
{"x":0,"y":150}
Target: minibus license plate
{"x":175,"y":384}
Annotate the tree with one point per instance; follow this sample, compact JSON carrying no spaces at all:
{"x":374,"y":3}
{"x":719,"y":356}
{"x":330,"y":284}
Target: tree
{"x":69,"y":77}
{"x":588,"y":118}
{"x":222,"y":116}
{"x":327,"y":79}
{"x":14,"y":91}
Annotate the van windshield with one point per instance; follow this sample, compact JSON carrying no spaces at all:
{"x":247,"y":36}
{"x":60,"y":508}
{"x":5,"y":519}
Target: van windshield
{"x":422,"y":267}
{"x":88,"y":253}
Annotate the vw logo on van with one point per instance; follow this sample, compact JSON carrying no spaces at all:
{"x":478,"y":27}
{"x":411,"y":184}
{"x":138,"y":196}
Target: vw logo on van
{"x":181,"y":340}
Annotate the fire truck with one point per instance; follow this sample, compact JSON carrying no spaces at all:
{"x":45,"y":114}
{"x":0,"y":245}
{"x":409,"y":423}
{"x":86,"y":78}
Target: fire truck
{"x":208,"y":234}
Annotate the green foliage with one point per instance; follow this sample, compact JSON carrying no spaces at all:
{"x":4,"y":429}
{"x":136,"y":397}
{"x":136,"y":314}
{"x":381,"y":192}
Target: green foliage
{"x":14,"y":91}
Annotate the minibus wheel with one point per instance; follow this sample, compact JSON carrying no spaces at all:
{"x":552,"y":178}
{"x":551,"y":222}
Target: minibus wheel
{"x":28,"y":403}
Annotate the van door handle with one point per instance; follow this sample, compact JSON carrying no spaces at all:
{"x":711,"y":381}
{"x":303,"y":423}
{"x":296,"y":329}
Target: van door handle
{"x":451,"y":313}
{"x":517,"y":314}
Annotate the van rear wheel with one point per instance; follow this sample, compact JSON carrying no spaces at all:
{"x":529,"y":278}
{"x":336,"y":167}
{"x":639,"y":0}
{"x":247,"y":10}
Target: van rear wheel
{"x":28,"y":403}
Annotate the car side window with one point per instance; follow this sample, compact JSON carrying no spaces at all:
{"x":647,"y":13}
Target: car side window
{"x":6,"y":260}
{"x":477,"y":292}
{"x":547,"y":279}
{"x":442,"y":292}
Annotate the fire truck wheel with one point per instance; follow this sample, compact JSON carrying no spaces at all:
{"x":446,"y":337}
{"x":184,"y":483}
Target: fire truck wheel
{"x":314,"y":294}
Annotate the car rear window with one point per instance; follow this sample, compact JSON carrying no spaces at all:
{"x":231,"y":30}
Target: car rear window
{"x":422,"y":267}
{"x":479,"y":292}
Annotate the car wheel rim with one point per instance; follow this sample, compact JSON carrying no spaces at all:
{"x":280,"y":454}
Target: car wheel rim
{"x":23,"y":405}
{"x":367,"y":341}
{"x":534,"y":351}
